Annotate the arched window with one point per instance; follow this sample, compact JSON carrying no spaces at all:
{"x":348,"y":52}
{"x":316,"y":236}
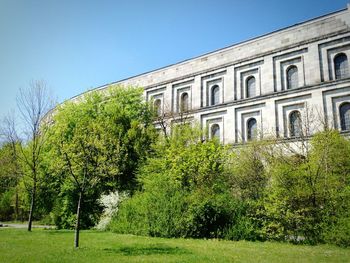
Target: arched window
{"x":158,"y":107}
{"x":184,"y":102}
{"x":295,"y":124}
{"x":215,"y":131}
{"x":344,"y":112}
{"x":251,"y":129}
{"x":292,"y":77}
{"x":341,"y":66}
{"x":215,"y":95}
{"x":251,"y":89}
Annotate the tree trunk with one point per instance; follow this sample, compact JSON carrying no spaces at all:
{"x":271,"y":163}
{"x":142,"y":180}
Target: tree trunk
{"x":16,"y":205}
{"x":32,"y":206}
{"x":77,"y":223}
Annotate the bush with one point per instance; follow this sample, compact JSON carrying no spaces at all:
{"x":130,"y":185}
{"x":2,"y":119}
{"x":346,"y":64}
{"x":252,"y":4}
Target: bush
{"x":64,"y":210}
{"x":110,"y":203}
{"x":208,"y":216}
{"x":156,"y":213}
{"x":200,"y":190}
{"x":307,"y":194}
{"x":243,"y":224}
{"x":339,"y":233}
{"x":130,"y":218}
{"x":186,"y":193}
{"x":6,"y":210}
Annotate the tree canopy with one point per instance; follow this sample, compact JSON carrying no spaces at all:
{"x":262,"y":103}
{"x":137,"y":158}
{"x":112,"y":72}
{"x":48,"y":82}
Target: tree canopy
{"x":96,"y":145}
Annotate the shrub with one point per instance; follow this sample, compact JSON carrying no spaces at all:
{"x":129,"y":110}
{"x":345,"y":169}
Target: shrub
{"x":185,"y":193}
{"x":157,"y":212}
{"x":339,"y":233}
{"x":6,"y":209}
{"x":243,"y":224}
{"x":307,"y":194}
{"x":64,"y":210}
{"x":208,"y":216}
{"x":131,"y":217}
{"x":110,"y":203}
{"x":199,"y":189}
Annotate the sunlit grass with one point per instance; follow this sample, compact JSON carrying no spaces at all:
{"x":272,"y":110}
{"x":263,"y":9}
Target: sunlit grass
{"x":18,"y":245}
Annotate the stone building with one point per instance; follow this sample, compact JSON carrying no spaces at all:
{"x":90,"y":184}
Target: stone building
{"x":272,"y":84}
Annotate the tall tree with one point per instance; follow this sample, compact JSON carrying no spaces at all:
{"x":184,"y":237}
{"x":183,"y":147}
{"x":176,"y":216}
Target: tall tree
{"x":98,"y":142}
{"x":33,"y":104}
{"x":9,"y":136}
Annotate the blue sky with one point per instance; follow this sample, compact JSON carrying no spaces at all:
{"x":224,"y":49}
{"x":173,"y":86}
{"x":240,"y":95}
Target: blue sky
{"x":78,"y":45}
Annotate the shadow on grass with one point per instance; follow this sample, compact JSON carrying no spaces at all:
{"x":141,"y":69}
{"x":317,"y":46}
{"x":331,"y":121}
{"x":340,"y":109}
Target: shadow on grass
{"x":157,"y":249}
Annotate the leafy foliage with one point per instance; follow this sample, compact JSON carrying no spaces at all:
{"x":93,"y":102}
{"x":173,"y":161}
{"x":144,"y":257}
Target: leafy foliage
{"x":179,"y":185}
{"x":95,"y":147}
{"x":10,"y":192}
{"x":201,"y":189}
{"x":309,"y":194}
{"x":185,"y":190}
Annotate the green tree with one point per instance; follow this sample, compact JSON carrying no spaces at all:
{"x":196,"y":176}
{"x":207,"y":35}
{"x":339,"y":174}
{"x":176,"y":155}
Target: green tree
{"x":10,"y":161}
{"x":249,"y":180}
{"x":8,"y":183}
{"x":309,"y":193}
{"x":27,"y":145}
{"x":249,"y":177}
{"x":97,"y":143}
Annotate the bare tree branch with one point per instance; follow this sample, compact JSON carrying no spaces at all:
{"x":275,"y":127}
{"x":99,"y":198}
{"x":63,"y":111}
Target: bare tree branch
{"x":33,"y":104}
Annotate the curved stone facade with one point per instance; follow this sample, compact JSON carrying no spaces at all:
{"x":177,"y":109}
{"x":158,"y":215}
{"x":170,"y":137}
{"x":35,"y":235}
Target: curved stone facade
{"x":278,"y":84}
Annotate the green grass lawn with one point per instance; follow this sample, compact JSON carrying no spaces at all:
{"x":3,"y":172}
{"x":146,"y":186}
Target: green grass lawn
{"x":18,"y":245}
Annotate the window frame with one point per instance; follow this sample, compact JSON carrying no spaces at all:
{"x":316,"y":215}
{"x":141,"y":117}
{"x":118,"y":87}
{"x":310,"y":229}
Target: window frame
{"x":252,"y":135}
{"x":247,"y":86}
{"x":158,"y":107}
{"x":212,"y":95}
{"x":291,"y":82}
{"x":343,"y":128}
{"x":341,"y":73}
{"x":217,"y":127}
{"x":292,"y":127}
{"x":182,"y":104}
